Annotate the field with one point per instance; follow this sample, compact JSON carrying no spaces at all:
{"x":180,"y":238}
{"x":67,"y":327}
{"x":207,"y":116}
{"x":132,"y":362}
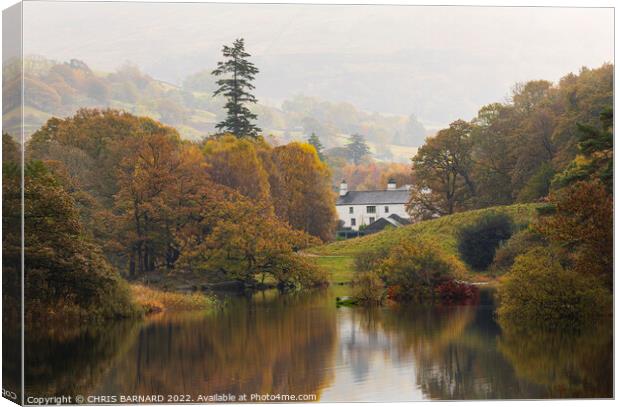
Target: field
{"x":338,"y":257}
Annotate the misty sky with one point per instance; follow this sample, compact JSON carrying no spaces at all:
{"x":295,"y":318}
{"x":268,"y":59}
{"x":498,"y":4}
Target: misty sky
{"x":440,"y":63}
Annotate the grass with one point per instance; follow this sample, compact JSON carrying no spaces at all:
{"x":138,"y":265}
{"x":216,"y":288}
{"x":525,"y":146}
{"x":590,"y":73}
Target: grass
{"x":338,"y":257}
{"x":152,"y":300}
{"x":340,"y":268}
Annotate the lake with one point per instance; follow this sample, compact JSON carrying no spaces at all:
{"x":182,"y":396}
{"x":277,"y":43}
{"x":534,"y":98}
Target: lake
{"x":302,"y":344}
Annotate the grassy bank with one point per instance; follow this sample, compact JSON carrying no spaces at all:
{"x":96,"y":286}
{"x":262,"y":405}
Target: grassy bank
{"x":152,"y":300}
{"x":338,"y":257}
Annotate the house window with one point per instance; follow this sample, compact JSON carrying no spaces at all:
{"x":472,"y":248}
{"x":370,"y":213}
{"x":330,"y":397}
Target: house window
{"x":386,"y":209}
{"x":371,"y":219}
{"x":350,"y":209}
{"x":371,"y":209}
{"x":352,"y":221}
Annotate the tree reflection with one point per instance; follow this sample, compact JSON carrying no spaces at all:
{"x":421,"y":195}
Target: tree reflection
{"x":454,"y":349}
{"x":567,"y":364}
{"x":69,"y":360}
{"x":260,"y":345}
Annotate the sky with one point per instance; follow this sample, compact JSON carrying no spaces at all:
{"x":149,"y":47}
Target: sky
{"x":439,"y":63}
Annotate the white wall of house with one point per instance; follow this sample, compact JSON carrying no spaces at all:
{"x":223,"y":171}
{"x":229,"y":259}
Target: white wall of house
{"x":363,"y":217}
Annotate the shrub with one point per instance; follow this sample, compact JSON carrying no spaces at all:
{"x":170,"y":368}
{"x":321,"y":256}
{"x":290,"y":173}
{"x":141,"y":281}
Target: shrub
{"x":477,"y":243}
{"x":413,"y":269}
{"x":538,"y":289}
{"x":455,"y":292}
{"x":295,"y":271}
{"x":518,"y":244}
{"x":368,"y":288}
{"x":370,"y":260}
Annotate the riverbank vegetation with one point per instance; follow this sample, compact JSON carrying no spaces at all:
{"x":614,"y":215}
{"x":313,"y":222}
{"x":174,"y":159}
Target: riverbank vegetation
{"x":152,"y":300}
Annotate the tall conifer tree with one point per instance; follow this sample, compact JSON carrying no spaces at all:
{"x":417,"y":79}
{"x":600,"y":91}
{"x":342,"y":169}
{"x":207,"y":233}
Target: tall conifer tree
{"x":236,"y":84}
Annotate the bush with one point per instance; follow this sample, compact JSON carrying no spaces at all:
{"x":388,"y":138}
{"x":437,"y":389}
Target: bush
{"x":477,"y":243}
{"x":370,"y":260}
{"x":368,"y":288}
{"x":539,"y":290}
{"x":295,"y":271}
{"x":454,"y":292}
{"x":518,"y":244}
{"x":413,"y":269}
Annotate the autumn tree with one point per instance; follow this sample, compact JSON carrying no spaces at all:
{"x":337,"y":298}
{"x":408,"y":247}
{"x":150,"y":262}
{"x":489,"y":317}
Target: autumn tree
{"x":235,"y":85}
{"x":304,"y":197}
{"x":65,"y":275}
{"x":236,"y":163}
{"x":582,"y":224}
{"x":236,"y":237}
{"x":443,"y":182}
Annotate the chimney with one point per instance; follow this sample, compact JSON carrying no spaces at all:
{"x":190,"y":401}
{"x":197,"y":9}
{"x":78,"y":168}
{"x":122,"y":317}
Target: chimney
{"x":391,"y":184}
{"x":343,"y":188}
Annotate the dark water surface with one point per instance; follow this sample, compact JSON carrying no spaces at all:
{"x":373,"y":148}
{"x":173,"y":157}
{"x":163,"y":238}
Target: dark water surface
{"x":302,"y":344}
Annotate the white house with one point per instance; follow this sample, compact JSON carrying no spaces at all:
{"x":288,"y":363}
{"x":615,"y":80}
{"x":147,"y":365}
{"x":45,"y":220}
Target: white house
{"x":357,"y":208}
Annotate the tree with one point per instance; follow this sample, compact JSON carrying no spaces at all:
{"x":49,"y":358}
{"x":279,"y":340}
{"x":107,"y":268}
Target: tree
{"x":65,"y":275}
{"x":236,"y":87}
{"x":303,"y":196}
{"x":582,"y":223}
{"x":239,"y":238}
{"x":596,"y":154}
{"x":357,"y":148}
{"x":236,"y":163}
{"x":443,"y":182}
{"x":315,"y":141}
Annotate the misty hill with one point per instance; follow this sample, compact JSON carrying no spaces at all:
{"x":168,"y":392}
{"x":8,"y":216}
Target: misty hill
{"x":60,"y":88}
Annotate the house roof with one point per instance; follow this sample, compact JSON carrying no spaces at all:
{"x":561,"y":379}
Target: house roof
{"x":395,"y":196}
{"x":381,"y":223}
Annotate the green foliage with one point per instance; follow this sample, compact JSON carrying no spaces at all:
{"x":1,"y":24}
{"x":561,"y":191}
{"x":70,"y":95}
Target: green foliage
{"x":315,"y":141}
{"x":539,"y":290}
{"x":478,"y":242}
{"x":538,"y":185}
{"x":596,"y":154}
{"x":236,"y":88}
{"x":518,"y":244}
{"x":368,"y":288}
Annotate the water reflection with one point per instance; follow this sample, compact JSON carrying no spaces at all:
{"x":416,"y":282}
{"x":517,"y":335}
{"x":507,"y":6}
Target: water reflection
{"x":567,"y":364}
{"x":294,"y":344}
{"x":259,"y":345}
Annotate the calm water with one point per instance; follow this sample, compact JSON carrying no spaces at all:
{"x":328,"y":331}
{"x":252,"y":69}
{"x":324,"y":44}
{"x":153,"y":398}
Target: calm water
{"x":303,"y":344}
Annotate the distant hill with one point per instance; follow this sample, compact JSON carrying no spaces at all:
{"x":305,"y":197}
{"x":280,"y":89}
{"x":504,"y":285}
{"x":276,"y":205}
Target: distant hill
{"x":60,"y":88}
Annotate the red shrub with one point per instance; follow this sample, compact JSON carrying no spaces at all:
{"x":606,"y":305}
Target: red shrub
{"x":453,"y":292}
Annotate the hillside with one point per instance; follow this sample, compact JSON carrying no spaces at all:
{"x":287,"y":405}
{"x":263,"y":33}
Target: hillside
{"x":338,"y":257}
{"x":60,"y":88}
